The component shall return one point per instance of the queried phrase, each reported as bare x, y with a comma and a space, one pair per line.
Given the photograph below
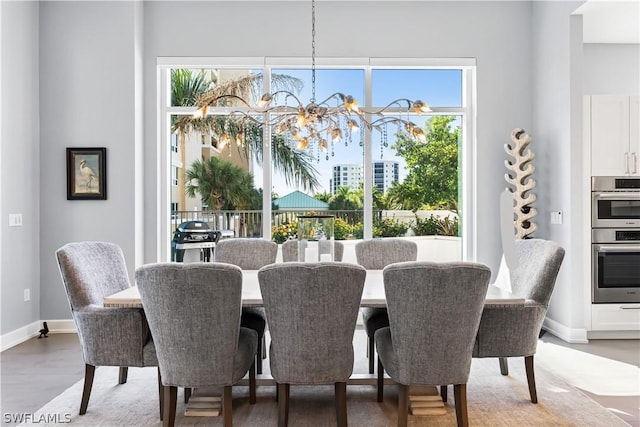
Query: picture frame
86, 173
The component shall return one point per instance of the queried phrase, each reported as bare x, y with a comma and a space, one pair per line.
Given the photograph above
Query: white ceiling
610, 21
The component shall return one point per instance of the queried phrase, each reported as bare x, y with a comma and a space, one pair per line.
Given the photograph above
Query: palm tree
185, 90
189, 89
220, 183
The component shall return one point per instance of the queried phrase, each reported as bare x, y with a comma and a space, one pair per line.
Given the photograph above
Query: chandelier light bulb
314, 123
303, 143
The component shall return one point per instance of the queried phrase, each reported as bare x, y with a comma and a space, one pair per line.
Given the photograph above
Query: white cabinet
615, 135
615, 317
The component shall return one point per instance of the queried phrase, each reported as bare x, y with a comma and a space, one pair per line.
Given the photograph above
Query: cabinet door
609, 135
634, 134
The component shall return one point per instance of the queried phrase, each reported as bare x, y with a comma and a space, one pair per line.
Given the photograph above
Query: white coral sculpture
519, 176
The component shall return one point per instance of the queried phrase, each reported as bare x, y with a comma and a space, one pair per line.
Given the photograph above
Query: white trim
248, 62
570, 335
322, 62
613, 335
25, 333
213, 62
467, 111
453, 63
62, 326
469, 196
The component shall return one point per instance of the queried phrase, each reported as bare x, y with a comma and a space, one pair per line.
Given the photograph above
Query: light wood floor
37, 370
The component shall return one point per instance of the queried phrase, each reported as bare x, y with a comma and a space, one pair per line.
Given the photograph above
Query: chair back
312, 310
538, 264
377, 253
290, 250
434, 313
246, 253
193, 312
90, 271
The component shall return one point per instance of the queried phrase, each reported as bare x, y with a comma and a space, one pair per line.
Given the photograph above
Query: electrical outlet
27, 295
556, 217
15, 220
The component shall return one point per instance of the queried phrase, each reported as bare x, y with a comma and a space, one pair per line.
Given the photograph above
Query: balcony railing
249, 223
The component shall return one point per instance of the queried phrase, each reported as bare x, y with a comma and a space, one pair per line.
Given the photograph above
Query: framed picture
87, 173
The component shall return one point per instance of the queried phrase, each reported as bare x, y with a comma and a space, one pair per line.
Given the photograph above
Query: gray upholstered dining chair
511, 330
249, 254
108, 336
290, 250
312, 309
194, 314
434, 312
376, 254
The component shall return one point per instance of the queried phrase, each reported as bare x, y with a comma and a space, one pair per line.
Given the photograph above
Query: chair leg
403, 405
264, 347
372, 350
259, 355
341, 403
531, 379
460, 396
252, 384
504, 365
170, 402
227, 407
380, 379
283, 405
187, 394
89, 371
122, 377
443, 393
160, 394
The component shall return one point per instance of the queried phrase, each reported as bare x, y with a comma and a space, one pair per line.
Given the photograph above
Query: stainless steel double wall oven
615, 239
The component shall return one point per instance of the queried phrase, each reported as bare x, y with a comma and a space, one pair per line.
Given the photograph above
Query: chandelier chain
313, 51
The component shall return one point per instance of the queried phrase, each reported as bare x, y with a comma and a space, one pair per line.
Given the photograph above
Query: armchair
376, 254
512, 331
422, 344
249, 254
108, 336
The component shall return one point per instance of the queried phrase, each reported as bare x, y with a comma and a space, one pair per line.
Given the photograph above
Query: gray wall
20, 164
87, 99
611, 69
554, 159
496, 33
98, 88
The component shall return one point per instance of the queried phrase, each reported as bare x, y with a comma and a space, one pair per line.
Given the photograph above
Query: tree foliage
220, 184
189, 88
433, 167
345, 199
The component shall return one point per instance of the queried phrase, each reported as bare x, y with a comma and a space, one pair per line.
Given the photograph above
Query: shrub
284, 232
389, 227
427, 226
436, 226
341, 229
358, 230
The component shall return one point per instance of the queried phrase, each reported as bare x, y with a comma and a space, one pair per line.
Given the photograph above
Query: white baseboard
570, 335
27, 332
614, 335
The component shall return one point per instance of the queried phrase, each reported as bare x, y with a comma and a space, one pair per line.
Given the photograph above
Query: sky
440, 88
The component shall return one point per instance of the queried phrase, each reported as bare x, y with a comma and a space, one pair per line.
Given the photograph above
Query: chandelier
317, 123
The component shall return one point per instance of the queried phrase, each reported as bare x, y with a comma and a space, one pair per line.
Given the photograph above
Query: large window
377, 178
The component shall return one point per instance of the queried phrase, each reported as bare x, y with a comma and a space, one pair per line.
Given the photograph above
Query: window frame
467, 111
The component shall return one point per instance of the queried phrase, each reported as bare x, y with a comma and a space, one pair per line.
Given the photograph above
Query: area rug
493, 400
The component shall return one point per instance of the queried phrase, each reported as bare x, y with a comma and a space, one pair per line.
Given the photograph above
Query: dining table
372, 295
422, 401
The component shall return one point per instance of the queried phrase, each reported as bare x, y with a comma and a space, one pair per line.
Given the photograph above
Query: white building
385, 173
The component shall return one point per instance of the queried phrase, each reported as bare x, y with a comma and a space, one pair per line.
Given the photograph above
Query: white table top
372, 295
